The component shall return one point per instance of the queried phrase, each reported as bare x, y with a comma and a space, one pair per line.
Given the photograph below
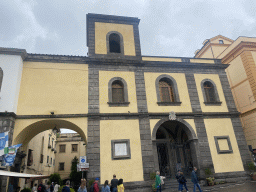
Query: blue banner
3, 143
10, 156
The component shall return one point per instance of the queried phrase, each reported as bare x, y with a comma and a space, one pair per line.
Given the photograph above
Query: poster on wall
10, 155
3, 143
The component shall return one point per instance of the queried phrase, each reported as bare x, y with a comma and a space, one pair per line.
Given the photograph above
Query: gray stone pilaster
93, 132
193, 94
227, 92
136, 39
6, 124
145, 132
241, 141
236, 122
205, 159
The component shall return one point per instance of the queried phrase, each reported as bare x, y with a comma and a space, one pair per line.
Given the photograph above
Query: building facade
240, 55
136, 114
69, 146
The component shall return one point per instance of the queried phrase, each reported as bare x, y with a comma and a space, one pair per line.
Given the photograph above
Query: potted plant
153, 177
210, 180
252, 168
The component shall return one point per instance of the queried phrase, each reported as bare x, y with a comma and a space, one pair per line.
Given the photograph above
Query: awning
22, 175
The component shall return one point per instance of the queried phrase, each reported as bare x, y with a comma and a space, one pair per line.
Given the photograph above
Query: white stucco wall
12, 71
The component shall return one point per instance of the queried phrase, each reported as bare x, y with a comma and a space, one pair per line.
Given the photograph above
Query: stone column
145, 132
204, 156
93, 132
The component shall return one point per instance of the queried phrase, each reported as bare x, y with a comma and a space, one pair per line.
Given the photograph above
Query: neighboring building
69, 146
241, 56
136, 114
40, 156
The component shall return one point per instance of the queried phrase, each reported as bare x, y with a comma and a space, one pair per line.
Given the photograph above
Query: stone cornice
242, 46
8, 114
133, 115
14, 51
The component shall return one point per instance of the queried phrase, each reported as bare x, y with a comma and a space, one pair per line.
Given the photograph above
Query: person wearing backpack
182, 182
52, 187
95, 186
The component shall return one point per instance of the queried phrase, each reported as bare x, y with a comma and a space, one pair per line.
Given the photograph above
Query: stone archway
175, 144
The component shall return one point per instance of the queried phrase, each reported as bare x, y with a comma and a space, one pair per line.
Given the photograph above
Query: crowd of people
114, 186
181, 180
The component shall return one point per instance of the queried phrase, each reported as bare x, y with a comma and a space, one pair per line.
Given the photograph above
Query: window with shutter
209, 92
166, 91
117, 92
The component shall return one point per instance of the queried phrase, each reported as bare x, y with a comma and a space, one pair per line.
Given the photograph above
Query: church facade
137, 114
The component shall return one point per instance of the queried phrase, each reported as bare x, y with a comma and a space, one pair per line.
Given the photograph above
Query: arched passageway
175, 147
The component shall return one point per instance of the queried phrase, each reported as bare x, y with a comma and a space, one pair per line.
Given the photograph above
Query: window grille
62, 148
74, 147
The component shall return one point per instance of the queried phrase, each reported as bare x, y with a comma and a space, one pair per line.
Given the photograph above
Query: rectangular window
62, 148
117, 95
61, 166
41, 158
47, 159
51, 161
74, 147
30, 157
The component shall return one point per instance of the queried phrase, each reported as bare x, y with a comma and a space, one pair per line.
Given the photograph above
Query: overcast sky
167, 27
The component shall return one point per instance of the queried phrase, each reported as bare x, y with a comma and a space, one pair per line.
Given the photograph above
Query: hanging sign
82, 159
10, 155
3, 143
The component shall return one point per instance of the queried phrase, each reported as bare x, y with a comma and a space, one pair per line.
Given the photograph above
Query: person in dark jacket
194, 179
41, 187
182, 182
114, 183
66, 188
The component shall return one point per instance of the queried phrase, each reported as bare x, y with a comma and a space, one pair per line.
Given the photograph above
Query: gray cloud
167, 27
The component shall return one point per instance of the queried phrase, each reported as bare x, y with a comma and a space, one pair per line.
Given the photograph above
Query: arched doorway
174, 147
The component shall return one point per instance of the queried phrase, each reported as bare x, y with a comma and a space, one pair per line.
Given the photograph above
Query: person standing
182, 182
194, 179
41, 187
105, 188
158, 182
34, 189
96, 187
120, 186
66, 188
82, 187
56, 187
114, 183
52, 187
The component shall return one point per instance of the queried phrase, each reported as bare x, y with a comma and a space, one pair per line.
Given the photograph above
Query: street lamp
55, 130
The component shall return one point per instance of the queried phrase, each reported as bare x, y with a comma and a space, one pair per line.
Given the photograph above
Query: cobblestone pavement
249, 186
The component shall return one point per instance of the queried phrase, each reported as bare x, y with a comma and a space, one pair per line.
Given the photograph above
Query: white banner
3, 142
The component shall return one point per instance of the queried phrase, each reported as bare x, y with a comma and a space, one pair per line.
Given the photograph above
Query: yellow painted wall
215, 78
150, 79
230, 162
244, 97
101, 30
161, 59
201, 61
58, 87
236, 71
25, 129
127, 169
206, 54
254, 56
224, 41
218, 49
153, 122
104, 78
249, 127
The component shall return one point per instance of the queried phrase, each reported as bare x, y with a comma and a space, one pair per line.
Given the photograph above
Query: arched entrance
174, 147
